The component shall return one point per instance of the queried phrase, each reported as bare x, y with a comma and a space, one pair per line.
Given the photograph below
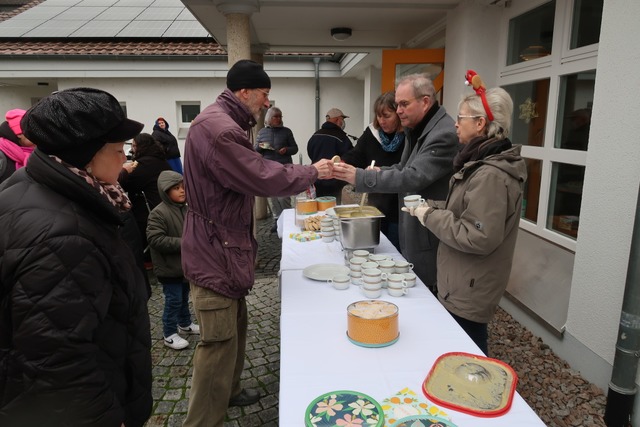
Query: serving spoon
364, 195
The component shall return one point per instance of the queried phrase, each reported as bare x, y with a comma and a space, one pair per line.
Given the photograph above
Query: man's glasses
277, 117
265, 92
406, 102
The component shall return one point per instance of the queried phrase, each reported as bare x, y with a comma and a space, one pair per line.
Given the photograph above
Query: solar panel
186, 29
120, 13
145, 29
49, 3
144, 3
104, 18
100, 29
55, 28
17, 28
39, 12
160, 14
106, 3
81, 13
185, 15
167, 3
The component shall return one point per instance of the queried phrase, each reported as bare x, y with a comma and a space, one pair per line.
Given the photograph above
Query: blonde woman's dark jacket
164, 231
477, 229
74, 328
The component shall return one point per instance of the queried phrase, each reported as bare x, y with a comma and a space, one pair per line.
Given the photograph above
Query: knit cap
247, 74
13, 117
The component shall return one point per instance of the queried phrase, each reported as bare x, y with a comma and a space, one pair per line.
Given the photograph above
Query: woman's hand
345, 172
421, 212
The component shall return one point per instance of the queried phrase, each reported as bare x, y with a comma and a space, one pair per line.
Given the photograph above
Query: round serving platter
324, 272
344, 407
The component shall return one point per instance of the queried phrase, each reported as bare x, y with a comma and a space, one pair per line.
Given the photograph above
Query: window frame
183, 127
563, 61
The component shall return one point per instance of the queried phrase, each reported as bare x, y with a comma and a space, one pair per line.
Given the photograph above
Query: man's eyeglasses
277, 117
265, 92
465, 116
405, 103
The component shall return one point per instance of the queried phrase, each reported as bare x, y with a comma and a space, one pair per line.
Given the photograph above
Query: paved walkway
172, 369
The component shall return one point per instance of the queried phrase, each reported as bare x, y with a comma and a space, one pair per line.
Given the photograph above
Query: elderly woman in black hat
74, 328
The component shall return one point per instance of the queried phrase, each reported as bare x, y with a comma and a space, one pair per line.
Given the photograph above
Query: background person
382, 141
276, 142
425, 168
328, 141
223, 174
168, 142
478, 224
15, 148
164, 234
141, 182
74, 327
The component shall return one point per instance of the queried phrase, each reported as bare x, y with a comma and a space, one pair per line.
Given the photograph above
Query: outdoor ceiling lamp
341, 33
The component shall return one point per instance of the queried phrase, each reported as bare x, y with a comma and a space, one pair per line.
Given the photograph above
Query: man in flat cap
328, 141
223, 174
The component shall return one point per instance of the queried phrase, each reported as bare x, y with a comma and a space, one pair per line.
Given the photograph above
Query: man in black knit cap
223, 174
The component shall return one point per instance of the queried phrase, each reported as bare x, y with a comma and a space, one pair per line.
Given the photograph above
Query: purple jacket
223, 174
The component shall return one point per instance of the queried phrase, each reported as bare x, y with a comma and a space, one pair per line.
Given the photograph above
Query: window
531, 193
553, 101
531, 34
574, 111
187, 112
530, 111
565, 198
587, 18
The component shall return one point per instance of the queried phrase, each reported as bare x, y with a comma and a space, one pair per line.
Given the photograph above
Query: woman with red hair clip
478, 223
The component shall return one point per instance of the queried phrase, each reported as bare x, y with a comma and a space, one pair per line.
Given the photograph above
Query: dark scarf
479, 148
415, 133
388, 143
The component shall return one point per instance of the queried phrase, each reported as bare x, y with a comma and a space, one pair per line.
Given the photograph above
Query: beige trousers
219, 357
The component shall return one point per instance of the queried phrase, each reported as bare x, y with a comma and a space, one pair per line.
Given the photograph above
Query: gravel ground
558, 394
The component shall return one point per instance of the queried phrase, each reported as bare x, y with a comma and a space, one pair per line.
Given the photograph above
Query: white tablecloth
316, 356
299, 255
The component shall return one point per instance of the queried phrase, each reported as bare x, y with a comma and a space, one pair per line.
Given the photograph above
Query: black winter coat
369, 148
144, 178
74, 328
168, 142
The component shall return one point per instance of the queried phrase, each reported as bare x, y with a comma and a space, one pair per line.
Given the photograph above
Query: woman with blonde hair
477, 224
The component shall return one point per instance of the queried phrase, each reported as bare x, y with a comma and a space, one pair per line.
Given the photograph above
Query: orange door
401, 62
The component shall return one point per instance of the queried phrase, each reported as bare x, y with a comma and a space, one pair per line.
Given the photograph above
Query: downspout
622, 387
316, 63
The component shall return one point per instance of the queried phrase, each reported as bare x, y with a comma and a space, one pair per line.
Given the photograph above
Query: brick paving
172, 369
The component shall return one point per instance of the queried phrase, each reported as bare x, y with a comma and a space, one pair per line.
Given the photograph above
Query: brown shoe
246, 397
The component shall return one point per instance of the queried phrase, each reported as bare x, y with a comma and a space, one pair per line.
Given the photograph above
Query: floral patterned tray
406, 403
344, 408
423, 421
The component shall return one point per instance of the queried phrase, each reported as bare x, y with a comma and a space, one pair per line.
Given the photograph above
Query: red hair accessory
474, 80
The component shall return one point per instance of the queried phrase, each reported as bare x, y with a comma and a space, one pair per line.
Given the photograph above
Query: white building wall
610, 187
148, 98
